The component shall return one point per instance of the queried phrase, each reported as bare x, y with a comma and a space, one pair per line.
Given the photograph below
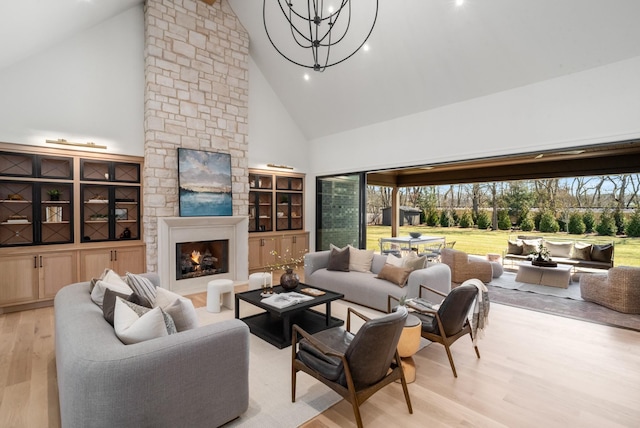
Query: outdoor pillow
360, 260
582, 251
514, 247
602, 253
395, 274
339, 259
559, 249
530, 246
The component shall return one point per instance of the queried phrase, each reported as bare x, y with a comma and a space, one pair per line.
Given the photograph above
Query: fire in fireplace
203, 258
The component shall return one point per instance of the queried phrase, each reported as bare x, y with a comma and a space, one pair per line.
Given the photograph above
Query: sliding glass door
341, 211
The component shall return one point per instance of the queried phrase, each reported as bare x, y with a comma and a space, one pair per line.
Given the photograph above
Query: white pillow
131, 328
394, 261
142, 286
179, 308
112, 282
360, 260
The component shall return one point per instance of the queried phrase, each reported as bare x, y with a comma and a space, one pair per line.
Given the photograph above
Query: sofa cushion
514, 247
339, 259
178, 307
134, 323
109, 303
112, 281
394, 260
142, 286
530, 246
602, 253
582, 251
411, 261
395, 274
360, 260
559, 249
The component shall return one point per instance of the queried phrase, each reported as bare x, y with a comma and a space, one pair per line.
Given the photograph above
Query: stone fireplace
221, 237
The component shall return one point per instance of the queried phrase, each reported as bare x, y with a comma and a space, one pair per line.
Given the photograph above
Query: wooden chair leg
406, 394
356, 410
293, 384
477, 351
453, 366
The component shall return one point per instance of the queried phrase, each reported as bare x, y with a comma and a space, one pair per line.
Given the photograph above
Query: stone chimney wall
196, 97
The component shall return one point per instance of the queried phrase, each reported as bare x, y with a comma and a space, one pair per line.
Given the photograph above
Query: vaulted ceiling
424, 53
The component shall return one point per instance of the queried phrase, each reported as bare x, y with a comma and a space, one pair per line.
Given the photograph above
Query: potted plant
54, 194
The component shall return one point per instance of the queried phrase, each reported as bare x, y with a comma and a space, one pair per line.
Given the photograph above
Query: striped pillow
142, 286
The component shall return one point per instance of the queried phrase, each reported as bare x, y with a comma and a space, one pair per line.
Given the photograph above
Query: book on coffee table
284, 300
421, 304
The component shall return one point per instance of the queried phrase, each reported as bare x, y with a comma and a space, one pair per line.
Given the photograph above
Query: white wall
88, 88
594, 106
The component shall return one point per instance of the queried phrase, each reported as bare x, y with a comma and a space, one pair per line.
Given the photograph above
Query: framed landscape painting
204, 183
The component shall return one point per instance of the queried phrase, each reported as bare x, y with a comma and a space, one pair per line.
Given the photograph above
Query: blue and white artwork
205, 183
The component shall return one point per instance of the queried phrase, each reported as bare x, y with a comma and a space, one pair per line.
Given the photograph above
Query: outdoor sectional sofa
365, 289
195, 378
569, 252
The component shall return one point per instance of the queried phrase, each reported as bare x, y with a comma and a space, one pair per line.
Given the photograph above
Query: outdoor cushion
559, 249
582, 251
514, 247
602, 253
530, 246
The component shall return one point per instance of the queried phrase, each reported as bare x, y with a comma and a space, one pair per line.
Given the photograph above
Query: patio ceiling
615, 158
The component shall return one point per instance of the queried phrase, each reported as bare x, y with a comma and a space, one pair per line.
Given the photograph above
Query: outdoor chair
355, 366
450, 321
619, 289
464, 268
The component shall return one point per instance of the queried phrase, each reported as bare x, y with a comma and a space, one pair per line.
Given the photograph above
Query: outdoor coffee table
274, 325
559, 276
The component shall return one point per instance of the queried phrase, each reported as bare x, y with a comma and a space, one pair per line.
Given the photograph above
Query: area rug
270, 377
566, 307
508, 280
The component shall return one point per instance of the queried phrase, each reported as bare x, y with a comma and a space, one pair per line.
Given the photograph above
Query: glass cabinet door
289, 211
110, 212
56, 213
16, 213
260, 212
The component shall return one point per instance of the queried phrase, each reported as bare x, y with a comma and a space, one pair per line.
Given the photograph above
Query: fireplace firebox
202, 258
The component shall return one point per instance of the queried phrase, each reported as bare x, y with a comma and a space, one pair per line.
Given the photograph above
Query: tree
466, 219
504, 222
633, 227
445, 219
483, 220
548, 223
576, 224
618, 218
518, 200
589, 220
607, 225
527, 223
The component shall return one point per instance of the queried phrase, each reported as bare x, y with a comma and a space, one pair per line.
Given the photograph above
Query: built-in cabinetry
276, 217
59, 209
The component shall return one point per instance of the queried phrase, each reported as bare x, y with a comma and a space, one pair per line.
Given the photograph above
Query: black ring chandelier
318, 29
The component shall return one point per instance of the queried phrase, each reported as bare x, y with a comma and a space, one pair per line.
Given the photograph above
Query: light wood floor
536, 370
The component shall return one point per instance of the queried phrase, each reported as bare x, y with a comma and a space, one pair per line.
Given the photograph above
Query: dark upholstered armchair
450, 321
355, 366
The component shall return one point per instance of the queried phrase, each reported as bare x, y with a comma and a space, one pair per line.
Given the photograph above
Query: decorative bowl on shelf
415, 234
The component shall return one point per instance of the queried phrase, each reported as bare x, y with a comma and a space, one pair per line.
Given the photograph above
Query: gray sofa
365, 289
195, 378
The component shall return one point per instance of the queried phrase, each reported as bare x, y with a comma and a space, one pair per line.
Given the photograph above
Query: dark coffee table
274, 325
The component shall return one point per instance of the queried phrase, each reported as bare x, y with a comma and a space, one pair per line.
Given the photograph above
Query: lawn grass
474, 241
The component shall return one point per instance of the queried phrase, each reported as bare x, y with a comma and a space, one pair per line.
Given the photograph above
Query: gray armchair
355, 366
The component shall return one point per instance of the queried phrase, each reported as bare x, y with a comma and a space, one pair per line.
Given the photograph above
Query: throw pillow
360, 260
107, 275
582, 251
559, 249
395, 274
110, 282
394, 260
142, 286
530, 246
602, 253
339, 260
180, 308
514, 247
415, 262
109, 303
133, 325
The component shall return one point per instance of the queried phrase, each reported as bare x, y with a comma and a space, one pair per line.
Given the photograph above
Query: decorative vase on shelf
289, 280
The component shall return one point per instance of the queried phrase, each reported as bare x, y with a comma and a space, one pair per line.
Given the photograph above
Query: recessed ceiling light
459, 3
306, 76
365, 47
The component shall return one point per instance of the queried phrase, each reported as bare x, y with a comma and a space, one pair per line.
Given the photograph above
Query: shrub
618, 217
527, 223
504, 222
483, 221
607, 225
576, 224
548, 223
432, 218
466, 220
445, 219
455, 218
589, 220
536, 220
633, 226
